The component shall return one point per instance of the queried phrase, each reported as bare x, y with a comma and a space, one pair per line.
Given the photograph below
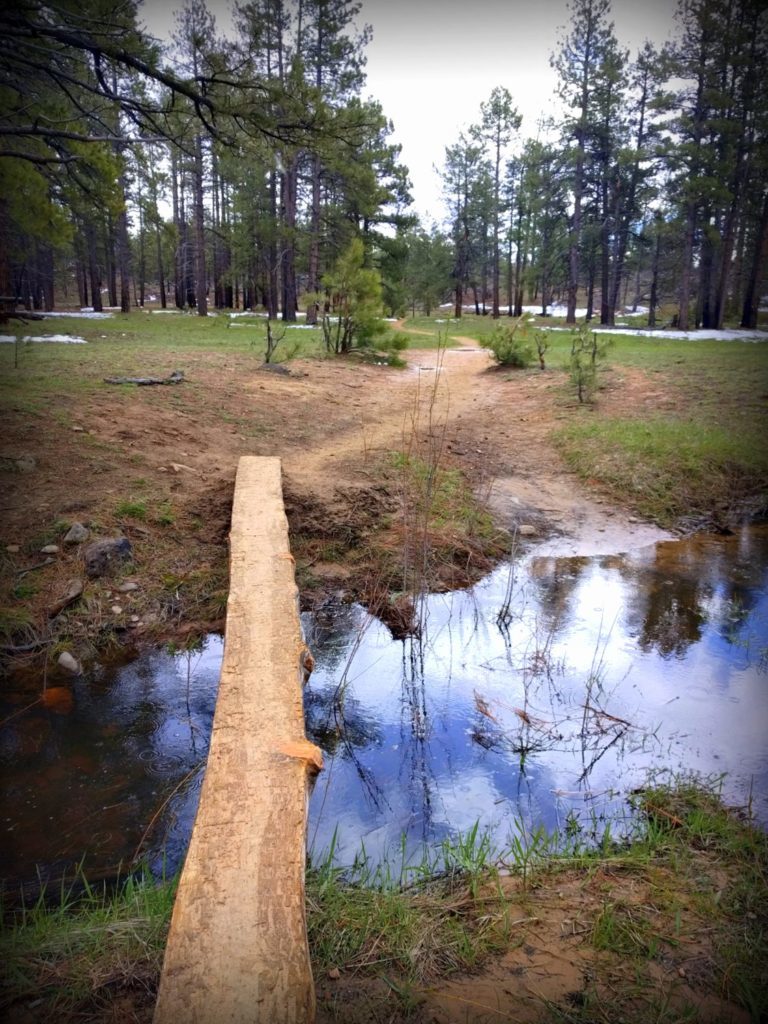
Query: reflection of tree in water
337, 726
555, 581
420, 781
689, 584
330, 631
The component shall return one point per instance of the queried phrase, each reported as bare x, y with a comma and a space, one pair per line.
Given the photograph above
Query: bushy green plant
509, 345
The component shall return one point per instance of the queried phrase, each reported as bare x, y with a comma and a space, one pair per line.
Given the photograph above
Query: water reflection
543, 695
547, 695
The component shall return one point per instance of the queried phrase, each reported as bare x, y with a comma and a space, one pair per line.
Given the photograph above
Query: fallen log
177, 377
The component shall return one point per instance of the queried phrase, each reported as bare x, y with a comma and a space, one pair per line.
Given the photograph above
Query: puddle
599, 670
85, 774
545, 694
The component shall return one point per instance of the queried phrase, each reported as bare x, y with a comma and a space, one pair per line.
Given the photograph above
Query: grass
670, 469
78, 955
689, 886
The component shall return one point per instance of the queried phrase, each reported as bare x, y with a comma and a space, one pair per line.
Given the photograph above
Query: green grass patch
670, 469
85, 951
131, 508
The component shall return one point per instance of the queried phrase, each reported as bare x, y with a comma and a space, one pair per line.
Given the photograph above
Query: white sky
432, 62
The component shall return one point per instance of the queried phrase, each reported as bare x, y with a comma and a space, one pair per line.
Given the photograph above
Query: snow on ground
82, 315
61, 339
165, 311
711, 335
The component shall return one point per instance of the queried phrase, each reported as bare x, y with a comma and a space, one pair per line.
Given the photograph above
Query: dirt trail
495, 424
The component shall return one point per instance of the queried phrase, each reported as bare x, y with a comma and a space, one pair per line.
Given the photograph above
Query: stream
542, 696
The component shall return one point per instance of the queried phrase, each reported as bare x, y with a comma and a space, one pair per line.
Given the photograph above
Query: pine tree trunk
288, 215
201, 287
756, 272
178, 272
94, 272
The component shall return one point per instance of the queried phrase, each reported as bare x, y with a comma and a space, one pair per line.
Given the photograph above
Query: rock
12, 549
135, 618
73, 591
76, 534
70, 663
179, 467
633, 519
104, 555
127, 588
526, 530
26, 464
116, 609
50, 549
79, 430
334, 974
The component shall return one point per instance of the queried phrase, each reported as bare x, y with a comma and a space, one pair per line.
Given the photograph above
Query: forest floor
157, 465
357, 442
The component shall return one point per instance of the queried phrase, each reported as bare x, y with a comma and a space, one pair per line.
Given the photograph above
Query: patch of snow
702, 335
81, 315
390, 319
61, 339
300, 327
165, 311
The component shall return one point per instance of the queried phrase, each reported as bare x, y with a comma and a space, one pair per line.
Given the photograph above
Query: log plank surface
237, 949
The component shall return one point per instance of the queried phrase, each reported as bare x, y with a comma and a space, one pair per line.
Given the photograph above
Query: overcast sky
432, 62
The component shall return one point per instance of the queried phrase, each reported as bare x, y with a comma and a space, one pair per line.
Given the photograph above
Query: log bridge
237, 949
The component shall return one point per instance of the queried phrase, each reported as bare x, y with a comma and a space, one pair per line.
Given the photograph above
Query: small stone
50, 549
334, 974
526, 530
104, 555
633, 519
76, 534
127, 588
179, 467
116, 609
12, 549
70, 663
135, 618
79, 430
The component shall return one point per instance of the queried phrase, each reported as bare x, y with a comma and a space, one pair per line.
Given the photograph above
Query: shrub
509, 345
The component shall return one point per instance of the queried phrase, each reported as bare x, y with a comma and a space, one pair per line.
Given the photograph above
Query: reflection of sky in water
480, 721
608, 667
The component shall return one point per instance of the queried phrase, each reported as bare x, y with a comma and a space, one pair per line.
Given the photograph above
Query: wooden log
237, 949
177, 377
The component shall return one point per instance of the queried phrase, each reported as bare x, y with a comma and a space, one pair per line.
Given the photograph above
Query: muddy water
544, 694
86, 770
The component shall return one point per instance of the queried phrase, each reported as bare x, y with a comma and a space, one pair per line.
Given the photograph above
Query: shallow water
85, 773
601, 669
